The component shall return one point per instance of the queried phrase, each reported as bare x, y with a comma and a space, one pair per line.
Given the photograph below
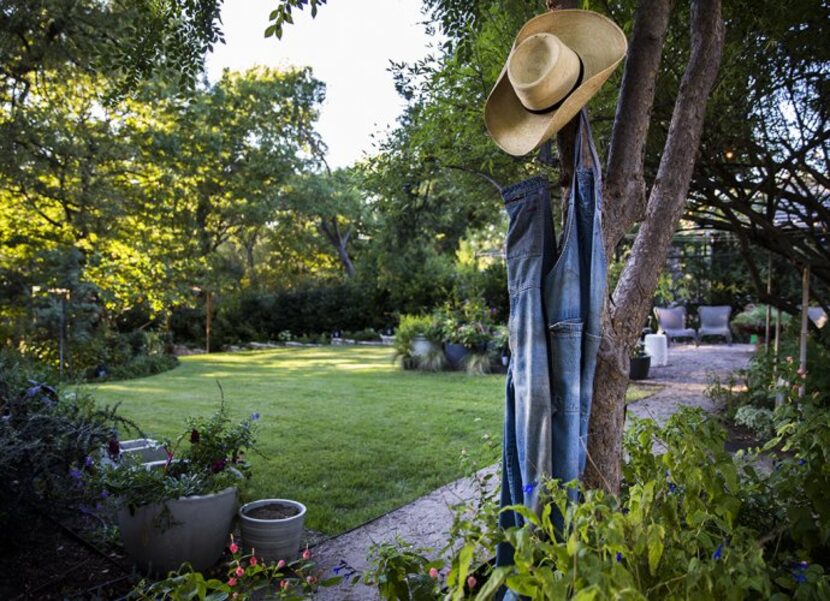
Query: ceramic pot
162, 536
455, 353
639, 367
272, 539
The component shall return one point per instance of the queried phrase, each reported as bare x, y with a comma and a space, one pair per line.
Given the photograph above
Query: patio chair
714, 321
817, 316
672, 323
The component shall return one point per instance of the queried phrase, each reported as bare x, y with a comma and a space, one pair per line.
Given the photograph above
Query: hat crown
542, 71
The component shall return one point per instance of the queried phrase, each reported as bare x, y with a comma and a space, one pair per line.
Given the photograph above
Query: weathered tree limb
630, 303
624, 188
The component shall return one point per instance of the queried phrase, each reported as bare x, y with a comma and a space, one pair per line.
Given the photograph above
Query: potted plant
181, 509
640, 363
415, 340
454, 349
274, 527
500, 346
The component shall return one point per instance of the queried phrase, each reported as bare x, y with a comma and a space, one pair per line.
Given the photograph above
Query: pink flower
284, 584
433, 573
231, 581
311, 579
306, 554
240, 571
280, 564
471, 582
253, 560
234, 547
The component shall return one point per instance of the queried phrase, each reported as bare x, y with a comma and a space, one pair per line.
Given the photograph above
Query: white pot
196, 530
272, 539
421, 346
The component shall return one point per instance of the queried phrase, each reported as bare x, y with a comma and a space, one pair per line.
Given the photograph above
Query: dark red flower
194, 436
218, 465
113, 448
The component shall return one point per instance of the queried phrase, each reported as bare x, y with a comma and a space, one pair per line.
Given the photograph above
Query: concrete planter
421, 346
162, 536
273, 539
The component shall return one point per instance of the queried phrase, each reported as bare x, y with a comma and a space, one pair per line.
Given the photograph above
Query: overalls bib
555, 327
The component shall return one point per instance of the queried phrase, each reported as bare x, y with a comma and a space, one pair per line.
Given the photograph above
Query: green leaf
270, 30
656, 534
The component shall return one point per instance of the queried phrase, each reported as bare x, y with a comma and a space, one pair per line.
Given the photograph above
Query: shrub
49, 439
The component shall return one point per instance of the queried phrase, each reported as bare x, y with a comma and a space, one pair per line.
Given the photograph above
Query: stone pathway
425, 522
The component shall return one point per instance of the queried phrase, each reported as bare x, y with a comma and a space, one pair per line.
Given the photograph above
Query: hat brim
599, 43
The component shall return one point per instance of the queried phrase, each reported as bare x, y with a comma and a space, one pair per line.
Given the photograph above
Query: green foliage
409, 327
757, 419
249, 579
754, 318
49, 441
281, 15
400, 571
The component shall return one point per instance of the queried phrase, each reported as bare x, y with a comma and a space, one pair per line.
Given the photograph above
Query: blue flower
337, 570
798, 572
75, 474
88, 461
619, 557
672, 487
105, 494
718, 552
802, 462
529, 488
255, 416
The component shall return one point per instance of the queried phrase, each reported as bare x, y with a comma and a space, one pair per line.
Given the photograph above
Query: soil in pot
272, 511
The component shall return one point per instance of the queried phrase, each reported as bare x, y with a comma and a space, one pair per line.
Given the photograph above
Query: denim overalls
555, 326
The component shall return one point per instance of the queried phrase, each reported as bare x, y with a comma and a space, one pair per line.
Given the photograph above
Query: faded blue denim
555, 327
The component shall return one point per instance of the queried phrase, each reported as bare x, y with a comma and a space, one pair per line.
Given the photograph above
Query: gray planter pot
273, 539
421, 346
196, 530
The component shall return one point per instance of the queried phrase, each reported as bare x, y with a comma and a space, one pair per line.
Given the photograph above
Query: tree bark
630, 303
339, 240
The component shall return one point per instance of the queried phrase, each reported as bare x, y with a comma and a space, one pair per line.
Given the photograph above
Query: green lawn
344, 430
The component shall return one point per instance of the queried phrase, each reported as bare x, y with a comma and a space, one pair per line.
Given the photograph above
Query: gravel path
426, 521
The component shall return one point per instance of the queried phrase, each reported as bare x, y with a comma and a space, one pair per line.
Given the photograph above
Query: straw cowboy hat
558, 62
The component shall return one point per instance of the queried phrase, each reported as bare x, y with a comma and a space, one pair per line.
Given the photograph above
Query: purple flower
105, 494
718, 552
255, 416
75, 474
88, 461
619, 557
529, 488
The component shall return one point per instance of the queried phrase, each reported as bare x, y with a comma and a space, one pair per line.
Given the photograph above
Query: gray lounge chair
817, 316
714, 321
672, 323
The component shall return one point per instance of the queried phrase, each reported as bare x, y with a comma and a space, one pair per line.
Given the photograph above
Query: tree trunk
630, 303
338, 240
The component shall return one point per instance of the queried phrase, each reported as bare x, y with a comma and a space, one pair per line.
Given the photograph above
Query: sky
348, 45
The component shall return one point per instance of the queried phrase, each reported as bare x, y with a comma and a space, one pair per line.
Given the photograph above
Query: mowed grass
343, 429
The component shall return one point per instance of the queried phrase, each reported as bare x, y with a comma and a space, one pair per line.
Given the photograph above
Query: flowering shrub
692, 522
207, 457
48, 438
248, 577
